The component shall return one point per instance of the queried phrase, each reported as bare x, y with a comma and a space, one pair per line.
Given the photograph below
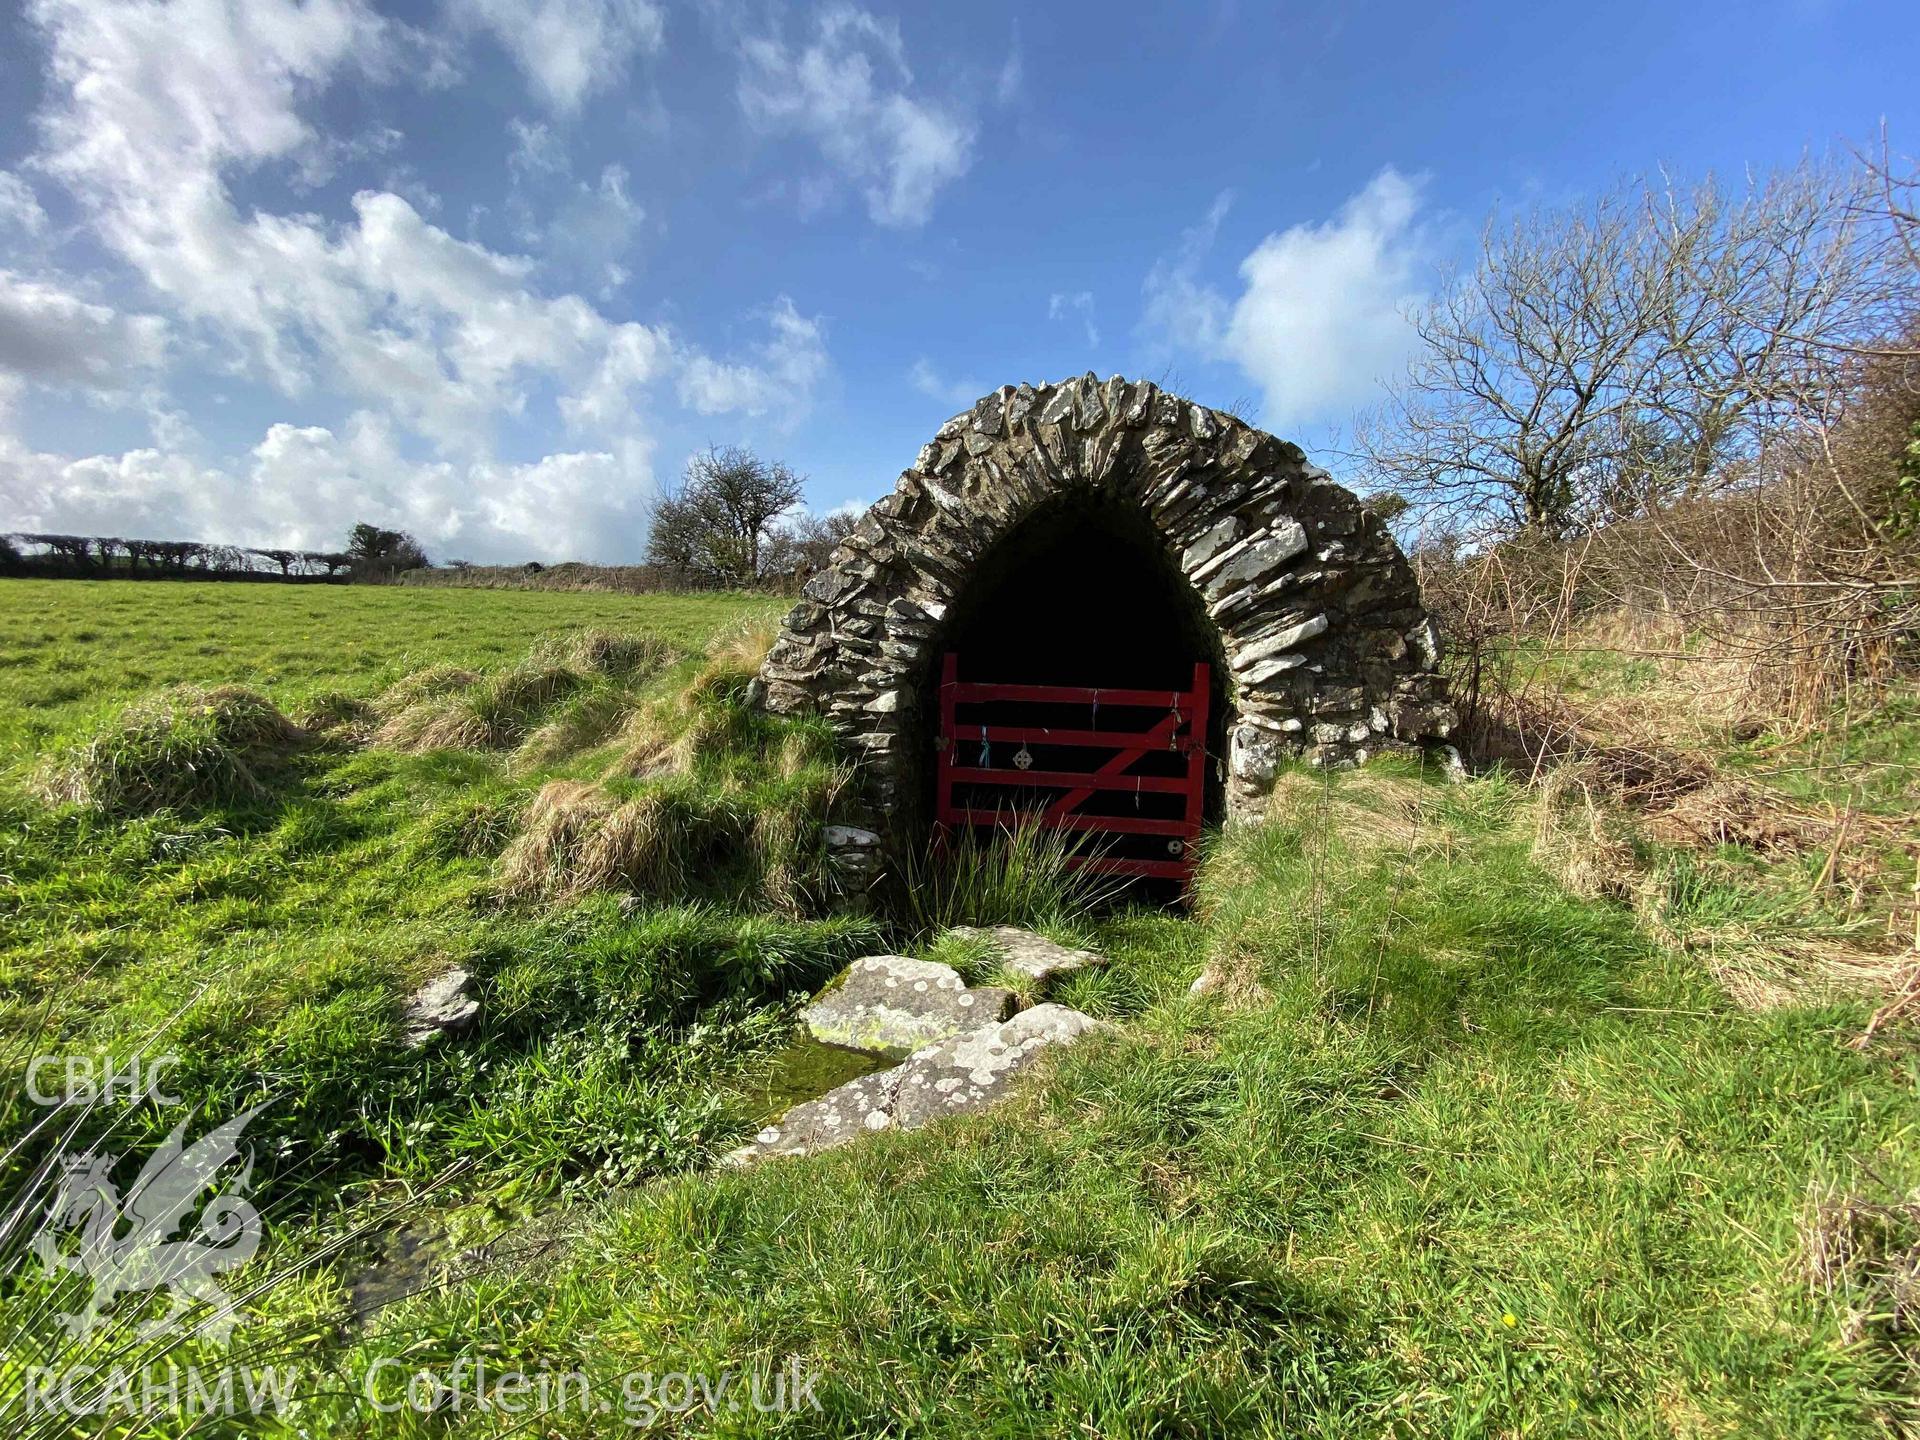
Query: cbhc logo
90, 1081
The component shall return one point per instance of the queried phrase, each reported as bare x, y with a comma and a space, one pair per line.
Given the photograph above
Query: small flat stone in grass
890, 1005
1033, 956
439, 1006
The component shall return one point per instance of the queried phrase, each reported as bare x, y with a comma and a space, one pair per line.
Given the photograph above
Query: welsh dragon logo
127, 1246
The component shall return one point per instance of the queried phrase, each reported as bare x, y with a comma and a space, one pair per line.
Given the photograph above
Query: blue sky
491, 269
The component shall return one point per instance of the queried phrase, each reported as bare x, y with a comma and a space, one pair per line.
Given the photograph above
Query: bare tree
717, 526
805, 546
1524, 373
1648, 348
1757, 291
1714, 392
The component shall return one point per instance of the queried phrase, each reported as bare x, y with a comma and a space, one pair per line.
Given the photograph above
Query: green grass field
1462, 1146
70, 646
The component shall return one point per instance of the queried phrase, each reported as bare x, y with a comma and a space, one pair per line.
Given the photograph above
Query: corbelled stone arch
1330, 653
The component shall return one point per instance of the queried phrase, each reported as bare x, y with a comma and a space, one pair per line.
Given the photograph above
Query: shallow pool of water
805, 1070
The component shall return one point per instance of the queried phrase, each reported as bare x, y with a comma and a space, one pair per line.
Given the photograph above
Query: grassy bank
1465, 1156
1472, 1137
196, 872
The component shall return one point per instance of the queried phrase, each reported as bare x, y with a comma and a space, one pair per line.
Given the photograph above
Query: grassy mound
187, 748
699, 793
481, 713
568, 692
1022, 875
670, 784
608, 653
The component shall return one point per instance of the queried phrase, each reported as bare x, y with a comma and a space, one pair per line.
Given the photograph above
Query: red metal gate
1156, 760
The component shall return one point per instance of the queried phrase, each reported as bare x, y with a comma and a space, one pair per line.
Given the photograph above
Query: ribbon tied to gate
986, 750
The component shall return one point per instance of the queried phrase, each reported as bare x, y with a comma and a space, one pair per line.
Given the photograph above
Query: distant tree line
733, 521
565, 575
371, 554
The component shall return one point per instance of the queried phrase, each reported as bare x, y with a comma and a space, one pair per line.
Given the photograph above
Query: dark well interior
1083, 592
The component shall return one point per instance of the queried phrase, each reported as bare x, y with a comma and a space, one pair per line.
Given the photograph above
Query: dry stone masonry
1331, 655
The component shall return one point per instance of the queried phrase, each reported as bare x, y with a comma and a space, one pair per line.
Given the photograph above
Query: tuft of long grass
337, 714
697, 792
676, 836
496, 713
742, 645
429, 683
569, 693
1767, 945
1860, 1253
1020, 874
188, 748
1578, 840
584, 720
448, 723
552, 831
607, 653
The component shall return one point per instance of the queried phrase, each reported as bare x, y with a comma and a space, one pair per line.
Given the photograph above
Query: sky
491, 270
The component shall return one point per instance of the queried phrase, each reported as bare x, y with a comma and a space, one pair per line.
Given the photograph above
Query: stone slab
891, 1005
971, 1071
1033, 956
965, 1073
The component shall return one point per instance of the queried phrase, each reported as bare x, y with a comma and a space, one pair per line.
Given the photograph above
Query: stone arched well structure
1065, 533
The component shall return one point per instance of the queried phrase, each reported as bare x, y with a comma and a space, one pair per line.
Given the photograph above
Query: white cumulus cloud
1320, 316
569, 49
153, 108
19, 206
781, 376
304, 486
387, 307
55, 338
848, 90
